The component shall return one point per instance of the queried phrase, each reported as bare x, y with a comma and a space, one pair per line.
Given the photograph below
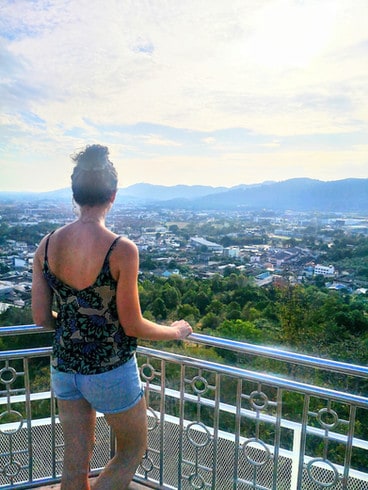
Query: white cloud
157, 140
209, 141
92, 63
88, 69
272, 144
232, 169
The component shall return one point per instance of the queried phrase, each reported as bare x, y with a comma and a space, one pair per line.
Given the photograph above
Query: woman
92, 274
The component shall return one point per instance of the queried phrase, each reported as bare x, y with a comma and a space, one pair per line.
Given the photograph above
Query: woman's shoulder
124, 260
125, 246
56, 239
43, 243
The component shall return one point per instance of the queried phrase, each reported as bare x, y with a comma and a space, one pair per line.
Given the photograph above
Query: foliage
308, 319
30, 234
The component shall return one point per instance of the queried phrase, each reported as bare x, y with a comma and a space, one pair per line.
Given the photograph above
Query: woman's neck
92, 215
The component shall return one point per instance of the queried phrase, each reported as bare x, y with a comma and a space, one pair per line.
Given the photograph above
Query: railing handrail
281, 355
222, 368
256, 376
323, 410
22, 330
239, 347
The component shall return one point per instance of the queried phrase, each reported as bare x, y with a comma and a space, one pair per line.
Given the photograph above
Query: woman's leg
130, 428
78, 420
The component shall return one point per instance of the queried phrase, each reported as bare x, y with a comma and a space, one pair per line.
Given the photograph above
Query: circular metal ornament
148, 372
8, 375
327, 412
147, 464
12, 469
252, 444
18, 419
203, 437
329, 466
258, 400
199, 385
196, 481
155, 421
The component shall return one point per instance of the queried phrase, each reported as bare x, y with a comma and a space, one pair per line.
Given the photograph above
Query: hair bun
93, 158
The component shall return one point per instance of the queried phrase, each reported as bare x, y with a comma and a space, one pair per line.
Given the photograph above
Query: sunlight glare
291, 35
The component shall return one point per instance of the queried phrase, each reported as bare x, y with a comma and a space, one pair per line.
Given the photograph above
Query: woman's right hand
183, 329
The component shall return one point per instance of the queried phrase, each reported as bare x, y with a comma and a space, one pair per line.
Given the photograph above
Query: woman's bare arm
41, 294
129, 309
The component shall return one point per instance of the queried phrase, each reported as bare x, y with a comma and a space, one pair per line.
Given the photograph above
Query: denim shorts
114, 391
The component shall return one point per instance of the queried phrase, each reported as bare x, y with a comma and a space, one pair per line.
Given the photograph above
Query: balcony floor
132, 486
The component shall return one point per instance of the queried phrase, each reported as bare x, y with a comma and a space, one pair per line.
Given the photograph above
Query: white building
233, 252
202, 242
323, 270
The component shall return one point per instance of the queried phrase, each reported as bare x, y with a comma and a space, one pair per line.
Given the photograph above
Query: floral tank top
89, 338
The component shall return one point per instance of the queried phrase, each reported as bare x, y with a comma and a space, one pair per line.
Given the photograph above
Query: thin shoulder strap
112, 246
47, 245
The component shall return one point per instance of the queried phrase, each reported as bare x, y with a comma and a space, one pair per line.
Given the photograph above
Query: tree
16, 316
159, 309
147, 264
189, 313
210, 321
4, 268
239, 330
292, 312
189, 296
216, 283
233, 311
171, 297
320, 281
201, 301
215, 307
178, 282
354, 321
250, 313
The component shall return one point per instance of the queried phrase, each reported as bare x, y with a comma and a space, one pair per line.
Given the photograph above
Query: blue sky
210, 92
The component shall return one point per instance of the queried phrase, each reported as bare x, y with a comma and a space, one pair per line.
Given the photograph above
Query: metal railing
225, 425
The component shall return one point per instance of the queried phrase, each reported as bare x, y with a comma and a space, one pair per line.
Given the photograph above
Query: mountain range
301, 194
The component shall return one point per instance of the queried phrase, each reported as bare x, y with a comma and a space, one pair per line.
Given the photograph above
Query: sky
196, 92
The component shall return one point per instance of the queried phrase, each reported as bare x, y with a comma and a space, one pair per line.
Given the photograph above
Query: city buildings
267, 247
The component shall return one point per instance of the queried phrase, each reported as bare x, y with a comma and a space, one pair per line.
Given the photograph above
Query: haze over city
197, 92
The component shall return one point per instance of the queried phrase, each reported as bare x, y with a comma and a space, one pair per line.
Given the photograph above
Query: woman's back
89, 337
77, 251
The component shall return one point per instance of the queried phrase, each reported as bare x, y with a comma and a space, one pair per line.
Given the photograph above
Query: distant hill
348, 195
21, 196
295, 194
146, 193
153, 192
